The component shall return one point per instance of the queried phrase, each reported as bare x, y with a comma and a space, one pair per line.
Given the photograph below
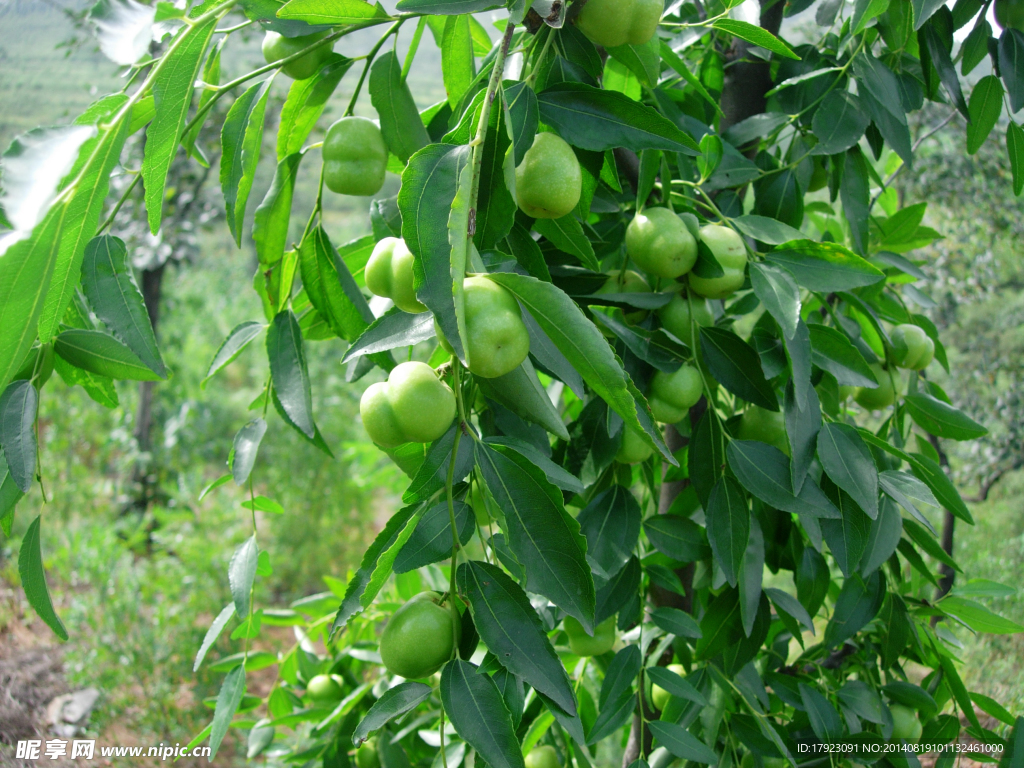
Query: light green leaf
99, 353
241, 140
33, 580
756, 35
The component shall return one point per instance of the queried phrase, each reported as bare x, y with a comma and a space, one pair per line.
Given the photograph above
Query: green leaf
614, 714
580, 342
847, 461
802, 425
33, 580
513, 632
644, 61
656, 347
677, 537
881, 83
929, 34
288, 371
706, 456
883, 538
942, 419
858, 603
400, 122
542, 535
1015, 150
617, 593
306, 101
230, 696
764, 471
99, 353
978, 617
377, 563
394, 328
457, 63
331, 288
620, 675
957, 688
848, 537
1011, 67
595, 119
478, 713
756, 35
123, 30
832, 351
271, 220
681, 743
611, 525
333, 12
210, 77
521, 392
825, 267
838, 123
431, 539
523, 114
854, 193
985, 106
82, 216
676, 685
241, 138
824, 719
766, 230
737, 367
672, 59
242, 573
779, 294
213, 633
18, 406
244, 449
10, 495
676, 622
239, 338
567, 235
786, 603
992, 707
496, 208
728, 525
172, 92
109, 284
99, 388
393, 703
429, 184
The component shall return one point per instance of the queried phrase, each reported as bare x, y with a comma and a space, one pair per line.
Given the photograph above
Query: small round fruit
542, 757
659, 242
911, 347
413, 405
767, 426
620, 22
676, 316
323, 689
548, 180
277, 47
355, 157
659, 696
497, 339
905, 725
366, 755
627, 282
389, 273
819, 176
418, 639
633, 449
1010, 14
582, 644
880, 397
728, 249
672, 395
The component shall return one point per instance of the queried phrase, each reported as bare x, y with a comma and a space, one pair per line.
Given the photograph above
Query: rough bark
948, 529
748, 79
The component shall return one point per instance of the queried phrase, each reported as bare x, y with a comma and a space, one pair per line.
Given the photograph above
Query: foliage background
137, 585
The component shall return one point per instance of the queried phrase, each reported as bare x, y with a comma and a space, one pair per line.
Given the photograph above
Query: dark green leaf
242, 573
241, 139
447, 8
393, 703
521, 392
679, 538
1015, 149
758, 36
766, 230
523, 112
764, 471
239, 338
939, 55
883, 537
676, 622
33, 579
802, 425
109, 285
431, 540
620, 675
985, 106
288, 371
838, 123
676, 685
848, 462
172, 92
1011, 66
541, 534
681, 742
400, 123
611, 525
654, 347
513, 632
18, 406
787, 603
858, 603
245, 448
728, 526
101, 354
613, 716
779, 293
331, 288
475, 707
393, 329
230, 696
706, 457
567, 235
618, 592
595, 119
271, 220
824, 719
825, 267
847, 537
736, 366
832, 351
942, 419
213, 633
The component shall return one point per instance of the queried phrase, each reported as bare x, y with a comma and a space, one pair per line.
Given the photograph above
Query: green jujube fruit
498, 341
612, 23
677, 315
629, 281
412, 406
542, 757
548, 180
389, 273
911, 347
355, 157
882, 396
769, 427
672, 395
582, 644
660, 244
419, 637
633, 449
277, 47
729, 251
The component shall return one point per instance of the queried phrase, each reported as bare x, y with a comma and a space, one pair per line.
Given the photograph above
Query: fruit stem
451, 520
369, 60
481, 129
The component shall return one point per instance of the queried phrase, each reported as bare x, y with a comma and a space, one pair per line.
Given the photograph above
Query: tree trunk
948, 529
152, 283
